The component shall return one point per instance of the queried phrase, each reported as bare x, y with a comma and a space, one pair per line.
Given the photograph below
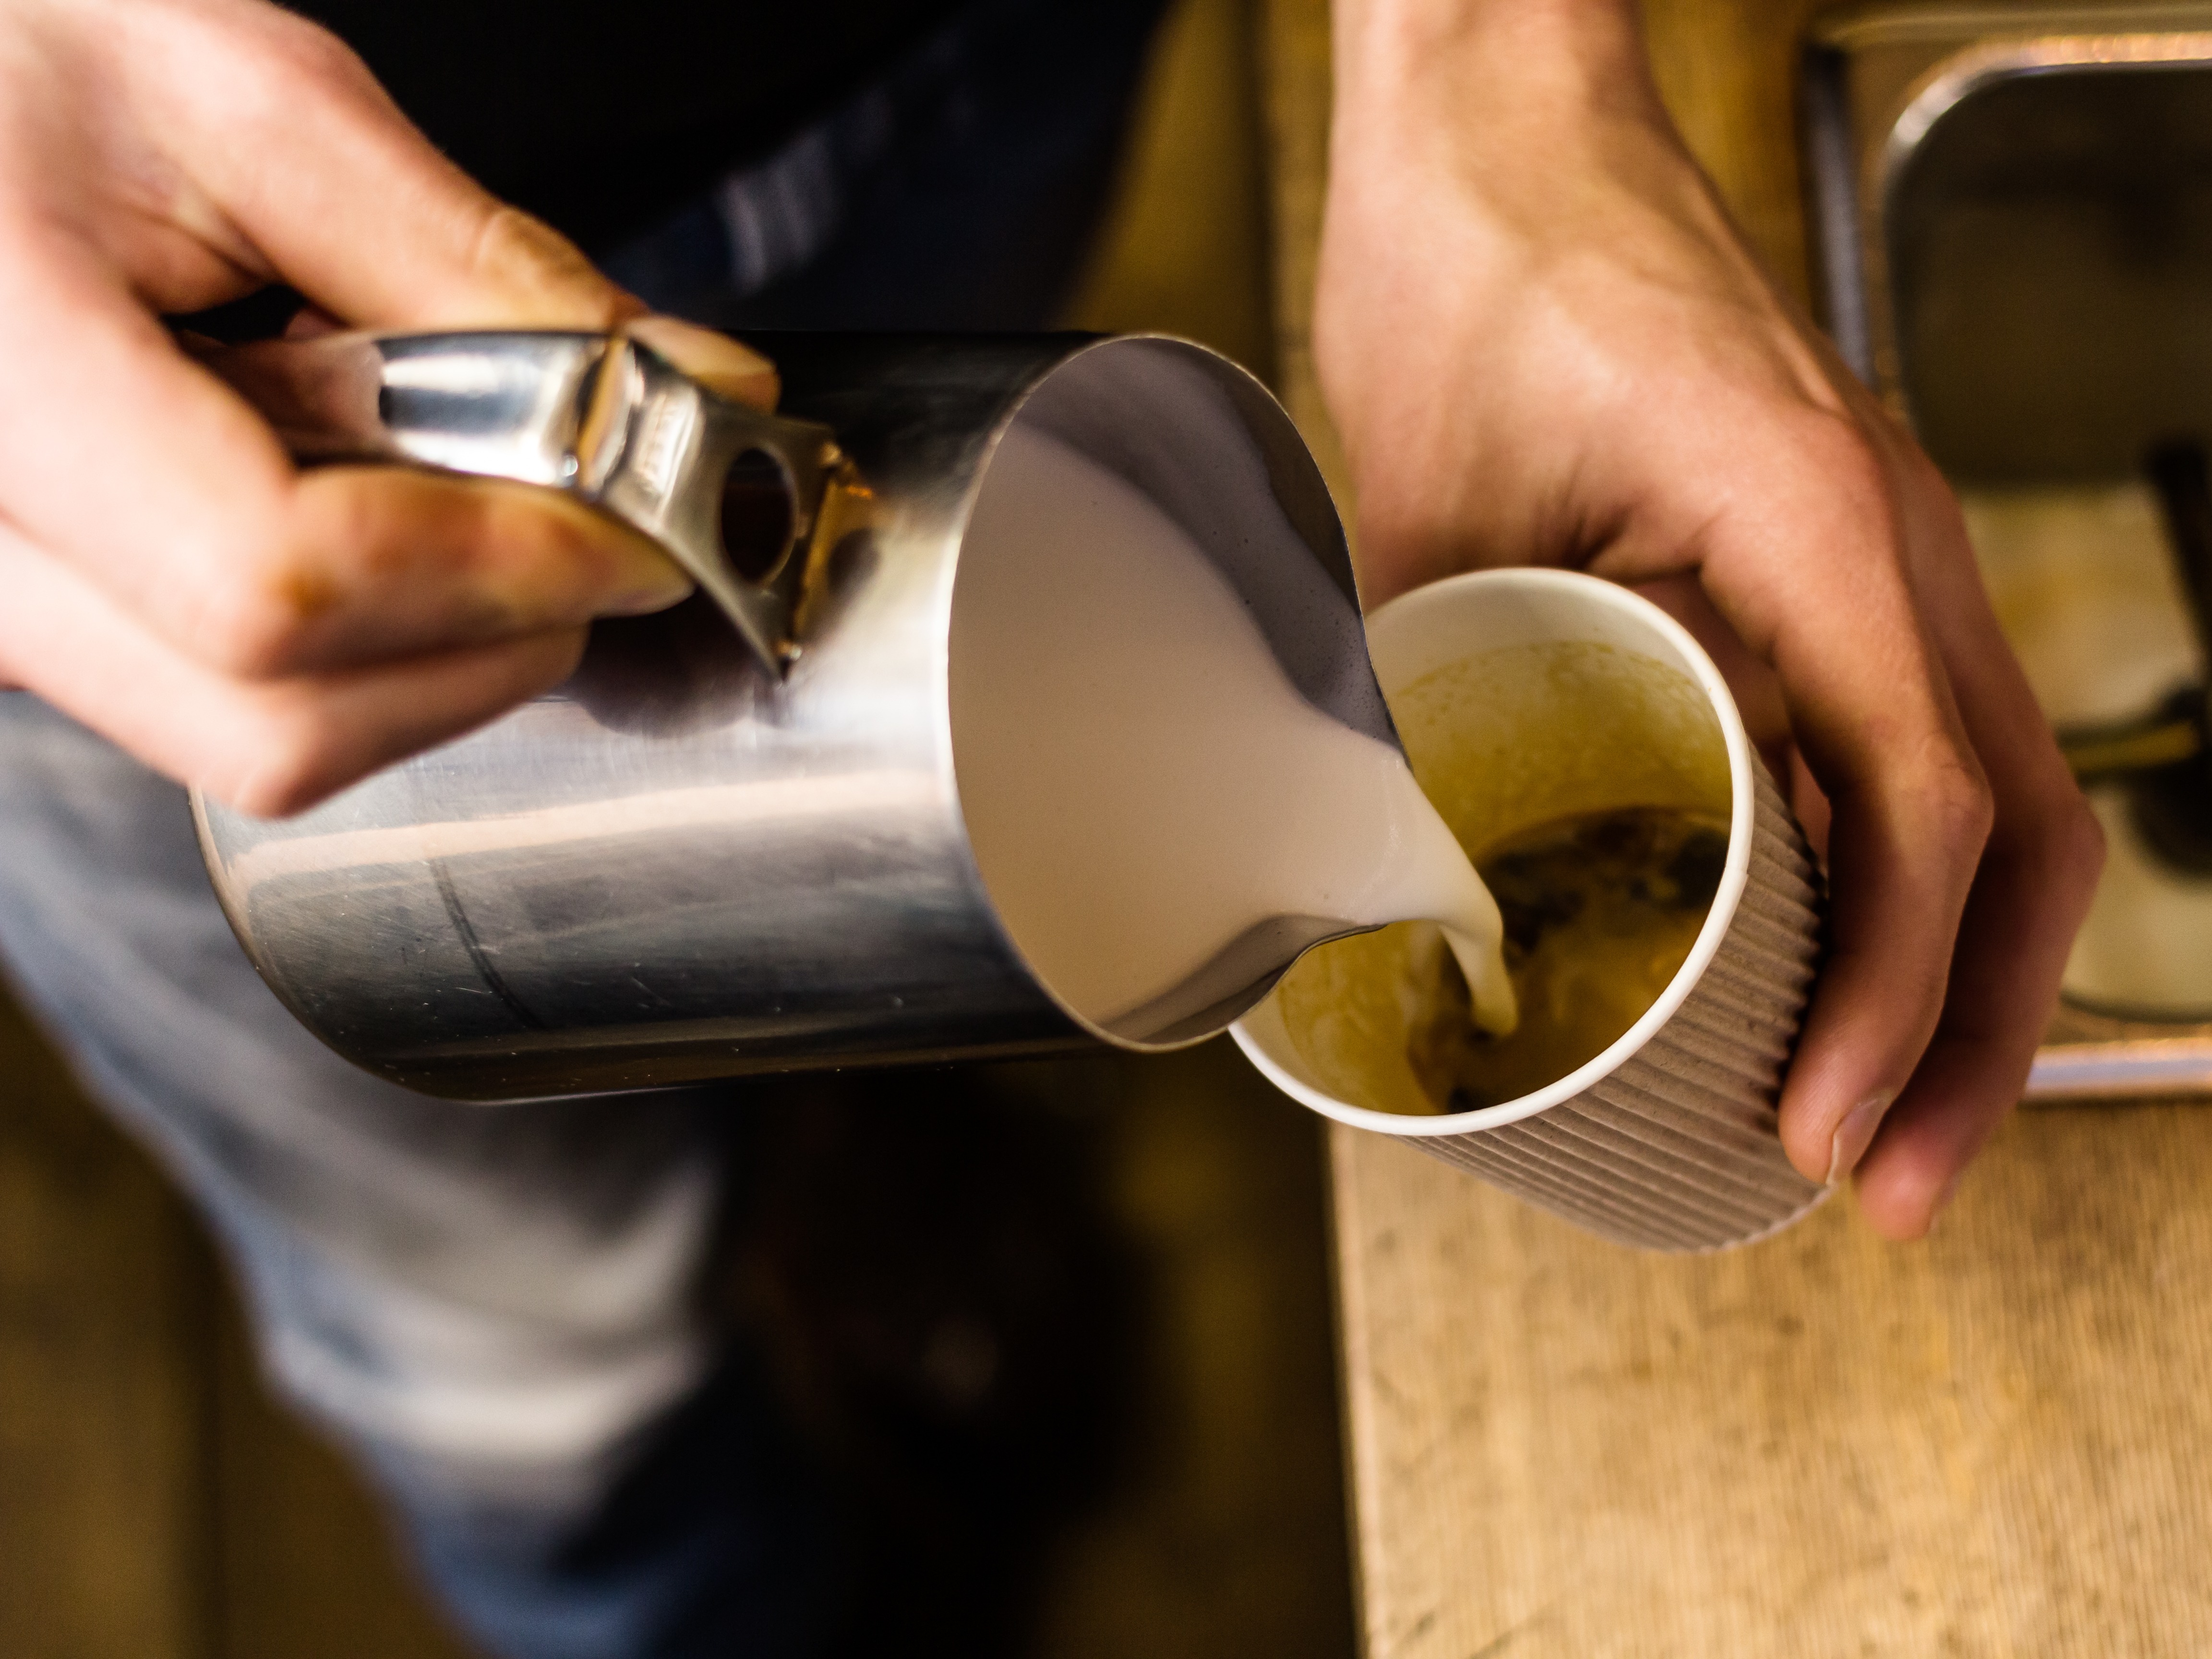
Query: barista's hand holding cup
1660, 911
1581, 363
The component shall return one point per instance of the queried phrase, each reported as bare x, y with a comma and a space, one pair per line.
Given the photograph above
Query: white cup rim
1471, 588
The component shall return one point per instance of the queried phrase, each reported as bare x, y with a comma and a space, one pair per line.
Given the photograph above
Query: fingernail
649, 596
1855, 1133
714, 360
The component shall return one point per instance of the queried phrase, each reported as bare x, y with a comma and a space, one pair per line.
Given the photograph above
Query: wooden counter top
1994, 1442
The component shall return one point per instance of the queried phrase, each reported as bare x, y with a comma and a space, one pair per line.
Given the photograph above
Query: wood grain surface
1991, 1444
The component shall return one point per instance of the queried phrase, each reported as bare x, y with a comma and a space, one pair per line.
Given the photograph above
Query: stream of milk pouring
1141, 781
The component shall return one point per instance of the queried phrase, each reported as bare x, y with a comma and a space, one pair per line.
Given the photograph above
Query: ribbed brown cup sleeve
1678, 1148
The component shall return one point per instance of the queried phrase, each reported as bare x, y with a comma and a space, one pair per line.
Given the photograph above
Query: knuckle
1833, 472
267, 69
1844, 460
305, 51
1934, 489
1962, 809
2073, 845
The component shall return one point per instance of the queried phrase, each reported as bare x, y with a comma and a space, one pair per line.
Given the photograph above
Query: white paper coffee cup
1534, 695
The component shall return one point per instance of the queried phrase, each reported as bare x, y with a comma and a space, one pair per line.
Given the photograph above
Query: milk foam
1141, 781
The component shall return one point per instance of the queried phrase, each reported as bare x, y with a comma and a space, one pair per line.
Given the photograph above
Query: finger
1975, 1069
384, 561
266, 748
2034, 886
1872, 711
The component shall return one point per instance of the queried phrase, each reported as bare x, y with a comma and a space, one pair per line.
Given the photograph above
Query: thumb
364, 216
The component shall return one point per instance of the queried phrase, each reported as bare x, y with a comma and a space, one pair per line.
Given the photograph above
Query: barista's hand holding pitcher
1545, 344
170, 578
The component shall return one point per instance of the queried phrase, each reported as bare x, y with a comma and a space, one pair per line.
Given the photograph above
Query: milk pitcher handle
732, 495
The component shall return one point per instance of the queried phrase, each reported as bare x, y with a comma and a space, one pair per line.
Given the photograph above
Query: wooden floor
154, 1504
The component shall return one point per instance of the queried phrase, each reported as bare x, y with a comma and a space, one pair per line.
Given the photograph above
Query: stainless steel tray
1878, 81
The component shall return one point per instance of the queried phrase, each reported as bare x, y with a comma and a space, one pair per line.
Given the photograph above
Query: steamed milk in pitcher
1142, 783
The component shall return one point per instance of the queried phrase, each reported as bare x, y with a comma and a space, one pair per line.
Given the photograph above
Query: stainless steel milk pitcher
733, 842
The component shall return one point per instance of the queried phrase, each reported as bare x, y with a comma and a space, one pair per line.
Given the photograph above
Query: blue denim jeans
496, 1309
